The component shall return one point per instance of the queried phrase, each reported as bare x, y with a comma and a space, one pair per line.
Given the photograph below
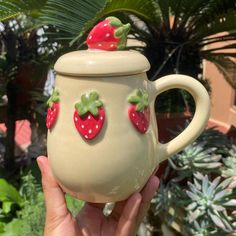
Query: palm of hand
123, 221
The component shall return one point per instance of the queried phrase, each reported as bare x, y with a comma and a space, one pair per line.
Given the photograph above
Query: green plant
229, 168
10, 202
197, 190
23, 212
211, 202
174, 33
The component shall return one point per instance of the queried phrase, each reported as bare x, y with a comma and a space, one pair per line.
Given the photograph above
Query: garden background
197, 195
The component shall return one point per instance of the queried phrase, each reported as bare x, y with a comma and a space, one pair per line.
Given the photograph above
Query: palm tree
177, 33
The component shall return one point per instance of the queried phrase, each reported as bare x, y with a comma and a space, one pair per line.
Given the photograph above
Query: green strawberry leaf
94, 110
139, 107
89, 103
140, 98
98, 103
134, 99
139, 93
84, 100
113, 21
54, 98
82, 111
93, 96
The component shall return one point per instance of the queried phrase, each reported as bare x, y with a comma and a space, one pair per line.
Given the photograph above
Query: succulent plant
211, 200
190, 187
229, 168
204, 228
211, 137
196, 157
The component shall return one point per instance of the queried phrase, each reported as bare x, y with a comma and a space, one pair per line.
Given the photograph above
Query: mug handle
200, 118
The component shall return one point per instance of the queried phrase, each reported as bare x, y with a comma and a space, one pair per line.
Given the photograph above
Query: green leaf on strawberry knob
114, 21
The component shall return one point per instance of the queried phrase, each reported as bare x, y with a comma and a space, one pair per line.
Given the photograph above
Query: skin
123, 221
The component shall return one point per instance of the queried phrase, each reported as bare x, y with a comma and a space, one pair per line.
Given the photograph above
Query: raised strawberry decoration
139, 111
109, 34
89, 115
53, 108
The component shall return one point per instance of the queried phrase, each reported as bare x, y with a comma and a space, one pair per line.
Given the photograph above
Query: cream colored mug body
120, 159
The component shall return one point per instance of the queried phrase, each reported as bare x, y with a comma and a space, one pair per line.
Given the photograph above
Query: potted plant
197, 192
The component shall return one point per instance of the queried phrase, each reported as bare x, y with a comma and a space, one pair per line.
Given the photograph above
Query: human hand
123, 221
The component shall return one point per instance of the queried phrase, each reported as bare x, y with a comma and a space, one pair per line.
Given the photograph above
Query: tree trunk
9, 161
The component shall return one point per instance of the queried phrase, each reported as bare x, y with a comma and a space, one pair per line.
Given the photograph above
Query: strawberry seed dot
90, 36
89, 117
112, 45
82, 126
101, 118
96, 126
107, 35
90, 131
105, 24
76, 118
86, 136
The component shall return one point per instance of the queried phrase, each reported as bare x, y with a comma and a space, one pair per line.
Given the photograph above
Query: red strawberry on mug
89, 115
109, 34
139, 110
53, 109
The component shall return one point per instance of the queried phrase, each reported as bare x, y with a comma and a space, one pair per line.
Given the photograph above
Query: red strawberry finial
89, 115
139, 111
53, 108
110, 34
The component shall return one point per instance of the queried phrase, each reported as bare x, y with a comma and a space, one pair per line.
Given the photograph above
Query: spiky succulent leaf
211, 200
229, 168
196, 158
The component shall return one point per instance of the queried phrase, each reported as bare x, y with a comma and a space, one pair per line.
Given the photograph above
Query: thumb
54, 196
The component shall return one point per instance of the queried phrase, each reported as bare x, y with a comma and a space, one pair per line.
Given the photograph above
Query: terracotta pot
171, 122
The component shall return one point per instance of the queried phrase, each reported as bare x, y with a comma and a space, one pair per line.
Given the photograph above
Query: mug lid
98, 63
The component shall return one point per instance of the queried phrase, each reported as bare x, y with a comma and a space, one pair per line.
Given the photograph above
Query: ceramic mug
108, 160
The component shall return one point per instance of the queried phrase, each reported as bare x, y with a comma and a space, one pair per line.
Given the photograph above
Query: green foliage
229, 168
28, 217
14, 8
10, 201
198, 183
211, 201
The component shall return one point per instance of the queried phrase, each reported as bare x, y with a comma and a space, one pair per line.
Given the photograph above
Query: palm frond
13, 8
218, 24
71, 16
77, 16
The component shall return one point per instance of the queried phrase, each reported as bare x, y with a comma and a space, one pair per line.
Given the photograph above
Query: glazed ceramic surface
119, 160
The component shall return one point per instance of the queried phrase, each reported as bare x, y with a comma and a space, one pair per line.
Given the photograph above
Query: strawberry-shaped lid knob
110, 34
